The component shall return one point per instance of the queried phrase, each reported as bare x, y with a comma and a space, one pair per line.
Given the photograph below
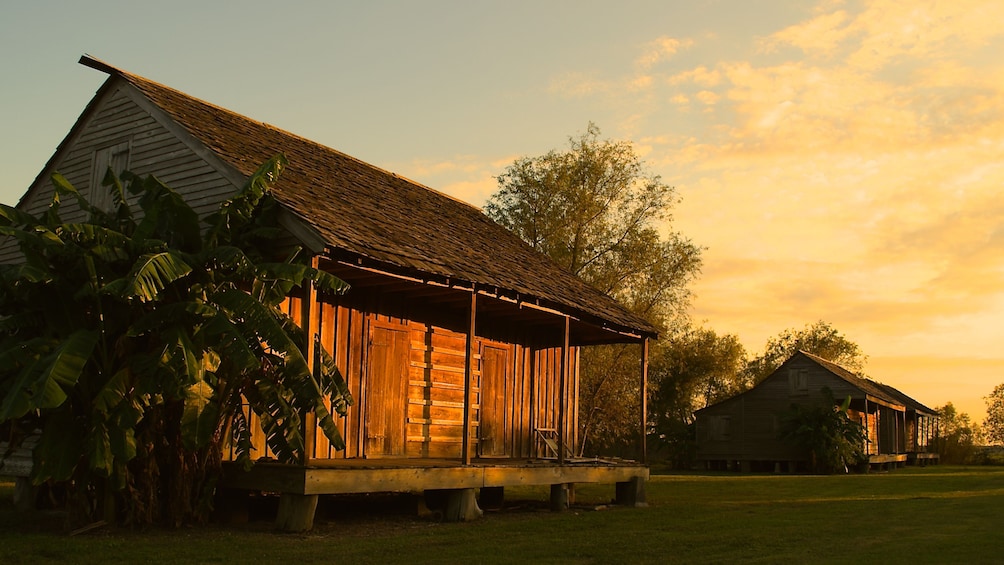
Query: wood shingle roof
362, 211
873, 388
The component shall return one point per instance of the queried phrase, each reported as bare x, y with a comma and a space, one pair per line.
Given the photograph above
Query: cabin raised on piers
459, 342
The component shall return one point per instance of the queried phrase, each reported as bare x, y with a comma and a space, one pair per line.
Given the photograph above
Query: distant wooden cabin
459, 342
741, 433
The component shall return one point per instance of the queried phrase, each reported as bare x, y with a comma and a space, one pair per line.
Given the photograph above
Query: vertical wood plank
575, 400
326, 326
361, 360
530, 359
468, 375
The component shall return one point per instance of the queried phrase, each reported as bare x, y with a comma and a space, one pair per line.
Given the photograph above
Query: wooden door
492, 424
386, 388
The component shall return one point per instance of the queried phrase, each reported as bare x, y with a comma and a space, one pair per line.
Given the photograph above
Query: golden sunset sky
840, 161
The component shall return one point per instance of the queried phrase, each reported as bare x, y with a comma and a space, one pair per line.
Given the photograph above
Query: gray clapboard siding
154, 149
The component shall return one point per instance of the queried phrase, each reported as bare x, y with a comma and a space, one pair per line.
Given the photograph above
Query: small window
721, 428
798, 381
115, 157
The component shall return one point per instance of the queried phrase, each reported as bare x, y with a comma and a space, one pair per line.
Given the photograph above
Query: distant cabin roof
369, 214
869, 386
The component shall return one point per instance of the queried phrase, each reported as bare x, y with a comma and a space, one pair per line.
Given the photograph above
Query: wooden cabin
741, 433
459, 342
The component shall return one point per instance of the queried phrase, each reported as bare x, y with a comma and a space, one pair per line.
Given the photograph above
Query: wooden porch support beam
562, 393
468, 376
309, 321
296, 512
644, 401
632, 492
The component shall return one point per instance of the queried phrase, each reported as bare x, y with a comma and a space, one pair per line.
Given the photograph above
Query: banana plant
825, 431
134, 339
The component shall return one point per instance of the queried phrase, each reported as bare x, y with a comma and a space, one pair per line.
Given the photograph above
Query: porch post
296, 511
562, 393
468, 375
899, 432
644, 400
903, 433
309, 321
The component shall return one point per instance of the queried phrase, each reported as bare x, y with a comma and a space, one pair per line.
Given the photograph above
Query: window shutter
115, 157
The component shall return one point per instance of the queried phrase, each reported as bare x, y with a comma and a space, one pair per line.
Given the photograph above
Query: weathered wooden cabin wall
911, 434
752, 418
870, 421
407, 381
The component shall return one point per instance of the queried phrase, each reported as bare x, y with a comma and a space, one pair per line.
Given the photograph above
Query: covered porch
458, 388
896, 432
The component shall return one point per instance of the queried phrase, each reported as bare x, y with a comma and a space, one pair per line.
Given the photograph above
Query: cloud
820, 35
469, 178
701, 76
707, 97
885, 32
659, 50
849, 168
577, 85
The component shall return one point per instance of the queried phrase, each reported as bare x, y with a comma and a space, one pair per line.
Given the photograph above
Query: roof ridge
98, 64
371, 212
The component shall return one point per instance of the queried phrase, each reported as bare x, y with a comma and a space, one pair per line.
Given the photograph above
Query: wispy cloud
659, 50
470, 178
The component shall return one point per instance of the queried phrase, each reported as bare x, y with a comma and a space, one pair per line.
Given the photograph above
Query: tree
691, 369
596, 212
130, 340
826, 433
993, 426
820, 339
957, 436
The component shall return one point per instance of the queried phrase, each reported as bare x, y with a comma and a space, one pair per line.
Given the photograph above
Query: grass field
913, 515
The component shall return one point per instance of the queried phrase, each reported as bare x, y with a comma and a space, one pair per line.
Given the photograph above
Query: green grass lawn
926, 515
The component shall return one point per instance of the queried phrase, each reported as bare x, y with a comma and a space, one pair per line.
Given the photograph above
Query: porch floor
344, 476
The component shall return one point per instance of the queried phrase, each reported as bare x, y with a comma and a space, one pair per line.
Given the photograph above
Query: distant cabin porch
895, 434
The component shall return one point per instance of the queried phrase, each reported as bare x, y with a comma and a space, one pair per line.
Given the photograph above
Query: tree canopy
693, 368
820, 339
131, 340
597, 212
993, 426
958, 436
